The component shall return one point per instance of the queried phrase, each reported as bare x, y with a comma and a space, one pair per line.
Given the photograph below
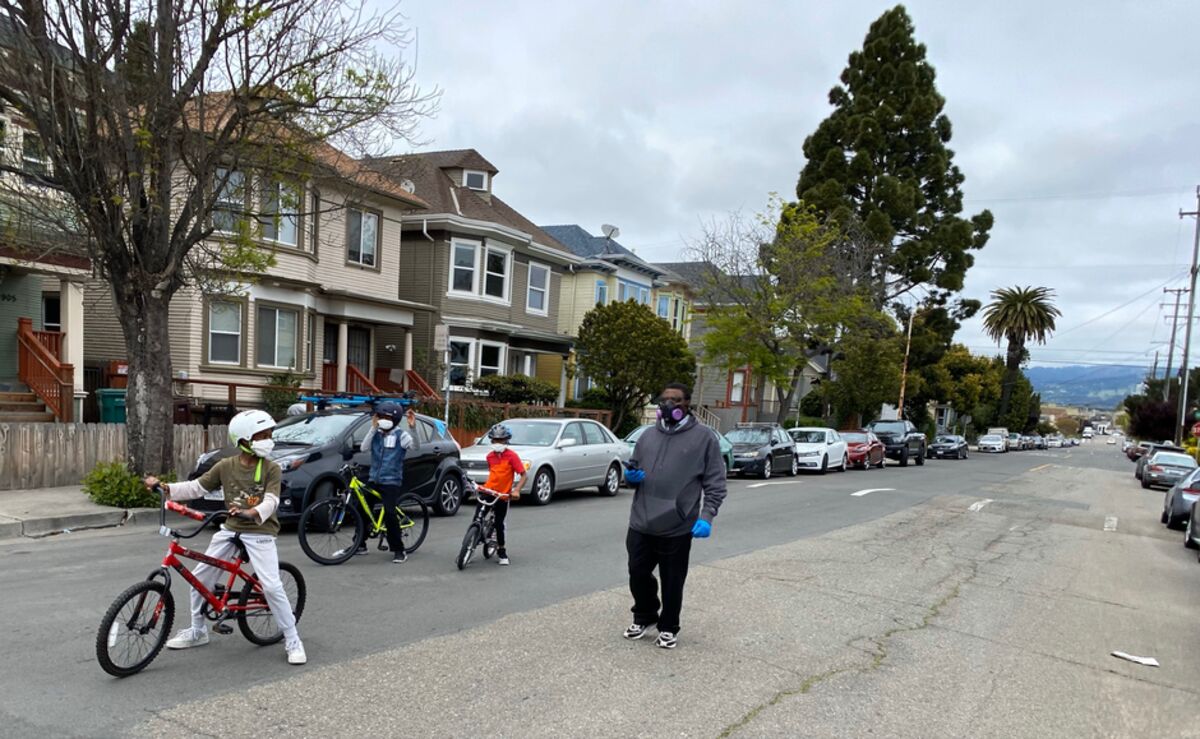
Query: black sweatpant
500, 511
670, 555
391, 495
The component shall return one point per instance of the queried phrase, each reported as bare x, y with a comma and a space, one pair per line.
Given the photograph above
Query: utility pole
904, 369
1174, 324
1154, 372
1187, 328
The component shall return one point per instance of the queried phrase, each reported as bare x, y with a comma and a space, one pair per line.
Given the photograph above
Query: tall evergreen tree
880, 159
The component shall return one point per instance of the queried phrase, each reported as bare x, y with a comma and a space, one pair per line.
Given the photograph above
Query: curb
37, 528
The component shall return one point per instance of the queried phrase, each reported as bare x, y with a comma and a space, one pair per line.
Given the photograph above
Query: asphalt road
56, 589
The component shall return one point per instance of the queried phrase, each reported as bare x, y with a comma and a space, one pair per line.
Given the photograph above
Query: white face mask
386, 424
262, 447
497, 448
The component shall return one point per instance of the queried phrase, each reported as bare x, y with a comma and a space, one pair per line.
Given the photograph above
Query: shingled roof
600, 248
432, 184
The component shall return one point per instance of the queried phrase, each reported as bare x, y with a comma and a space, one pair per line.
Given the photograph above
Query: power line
1106, 313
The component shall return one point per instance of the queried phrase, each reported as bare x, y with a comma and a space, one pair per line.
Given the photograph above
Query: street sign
441, 337
1196, 430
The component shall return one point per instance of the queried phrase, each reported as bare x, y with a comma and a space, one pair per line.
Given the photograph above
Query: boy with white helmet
251, 484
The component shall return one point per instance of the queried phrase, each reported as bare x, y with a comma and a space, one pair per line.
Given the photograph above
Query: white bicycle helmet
246, 424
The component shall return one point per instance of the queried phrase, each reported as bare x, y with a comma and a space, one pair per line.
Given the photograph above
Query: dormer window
475, 179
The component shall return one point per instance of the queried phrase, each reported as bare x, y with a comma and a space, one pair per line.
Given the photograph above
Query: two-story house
327, 309
492, 278
610, 272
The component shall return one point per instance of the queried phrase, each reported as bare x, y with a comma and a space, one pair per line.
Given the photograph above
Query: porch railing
52, 340
418, 383
706, 417
356, 381
52, 381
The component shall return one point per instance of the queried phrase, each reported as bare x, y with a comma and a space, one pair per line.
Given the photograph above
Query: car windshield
990, 438
855, 438
807, 437
889, 427
946, 440
636, 434
749, 436
531, 433
313, 430
1173, 459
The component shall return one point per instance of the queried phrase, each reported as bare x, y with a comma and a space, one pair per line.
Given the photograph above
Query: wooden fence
43, 455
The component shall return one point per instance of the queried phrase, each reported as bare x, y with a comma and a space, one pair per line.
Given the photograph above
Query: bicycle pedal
223, 629
383, 546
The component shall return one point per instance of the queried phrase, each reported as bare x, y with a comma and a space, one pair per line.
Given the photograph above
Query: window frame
451, 364
733, 385
273, 189
234, 203
545, 290
241, 335
466, 178
601, 292
46, 168
476, 247
501, 358
364, 210
261, 305
663, 307
505, 252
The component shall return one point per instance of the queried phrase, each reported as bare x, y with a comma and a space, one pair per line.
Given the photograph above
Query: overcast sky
1076, 123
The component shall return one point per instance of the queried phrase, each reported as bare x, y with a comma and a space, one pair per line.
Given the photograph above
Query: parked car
1111, 440
1140, 467
864, 449
1180, 499
1054, 442
763, 449
1137, 450
311, 448
1014, 442
1027, 442
1165, 468
559, 454
993, 443
726, 445
901, 441
948, 446
1039, 441
820, 449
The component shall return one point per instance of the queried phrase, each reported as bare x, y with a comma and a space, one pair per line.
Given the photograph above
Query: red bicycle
137, 624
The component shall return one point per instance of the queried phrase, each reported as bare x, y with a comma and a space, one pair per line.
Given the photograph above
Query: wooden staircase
17, 406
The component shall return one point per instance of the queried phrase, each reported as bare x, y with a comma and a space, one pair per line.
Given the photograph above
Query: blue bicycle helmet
389, 409
500, 432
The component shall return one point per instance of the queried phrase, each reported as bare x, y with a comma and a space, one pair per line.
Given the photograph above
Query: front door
358, 351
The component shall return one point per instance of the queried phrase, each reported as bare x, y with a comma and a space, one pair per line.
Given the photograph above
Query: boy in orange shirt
504, 470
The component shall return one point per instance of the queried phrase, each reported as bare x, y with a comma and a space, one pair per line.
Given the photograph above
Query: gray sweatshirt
684, 469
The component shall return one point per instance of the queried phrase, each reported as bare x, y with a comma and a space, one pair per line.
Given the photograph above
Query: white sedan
993, 443
559, 454
820, 449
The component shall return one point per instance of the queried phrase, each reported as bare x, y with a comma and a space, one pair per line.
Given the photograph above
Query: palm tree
1018, 314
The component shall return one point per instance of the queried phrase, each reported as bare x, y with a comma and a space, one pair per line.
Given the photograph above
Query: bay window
276, 333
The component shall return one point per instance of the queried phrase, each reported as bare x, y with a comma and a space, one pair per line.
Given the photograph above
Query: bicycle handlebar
204, 518
185, 511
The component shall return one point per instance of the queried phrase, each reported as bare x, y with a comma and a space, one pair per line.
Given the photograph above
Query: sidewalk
48, 511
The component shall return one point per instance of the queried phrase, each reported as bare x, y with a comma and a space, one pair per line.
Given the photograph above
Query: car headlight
290, 463
809, 454
747, 455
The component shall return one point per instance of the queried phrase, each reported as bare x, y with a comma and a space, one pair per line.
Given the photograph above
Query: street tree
148, 115
866, 371
881, 160
968, 383
1019, 315
630, 354
780, 289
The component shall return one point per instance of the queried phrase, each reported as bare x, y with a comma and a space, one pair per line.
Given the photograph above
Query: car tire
1145, 484
882, 461
1187, 536
824, 465
795, 466
845, 462
1173, 521
921, 457
766, 470
543, 487
966, 453
448, 498
612, 481
904, 458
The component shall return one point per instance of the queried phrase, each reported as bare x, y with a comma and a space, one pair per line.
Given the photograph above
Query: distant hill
1086, 385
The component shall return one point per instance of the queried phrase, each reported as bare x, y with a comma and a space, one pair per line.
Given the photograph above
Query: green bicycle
332, 529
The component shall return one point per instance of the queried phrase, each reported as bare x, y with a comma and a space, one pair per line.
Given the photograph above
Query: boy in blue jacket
388, 444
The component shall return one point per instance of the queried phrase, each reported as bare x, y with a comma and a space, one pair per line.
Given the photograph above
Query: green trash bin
112, 404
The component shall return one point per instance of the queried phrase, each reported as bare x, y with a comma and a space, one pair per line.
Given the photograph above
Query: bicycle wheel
489, 538
469, 542
414, 522
331, 531
135, 628
255, 618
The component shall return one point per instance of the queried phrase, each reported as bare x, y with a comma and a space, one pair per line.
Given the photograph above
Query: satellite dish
408, 186
610, 232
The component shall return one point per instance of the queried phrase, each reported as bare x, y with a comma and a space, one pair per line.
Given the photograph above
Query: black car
901, 441
948, 446
763, 449
312, 448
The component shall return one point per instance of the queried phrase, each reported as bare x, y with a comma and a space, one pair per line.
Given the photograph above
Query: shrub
276, 399
811, 421
112, 484
516, 389
593, 399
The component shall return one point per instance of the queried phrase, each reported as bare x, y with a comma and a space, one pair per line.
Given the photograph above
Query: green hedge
112, 484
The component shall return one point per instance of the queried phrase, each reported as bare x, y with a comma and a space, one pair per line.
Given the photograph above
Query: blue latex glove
702, 529
635, 477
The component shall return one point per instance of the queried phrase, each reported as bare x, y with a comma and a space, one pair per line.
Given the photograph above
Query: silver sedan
559, 454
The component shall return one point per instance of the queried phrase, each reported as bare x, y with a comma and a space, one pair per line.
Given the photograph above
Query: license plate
217, 494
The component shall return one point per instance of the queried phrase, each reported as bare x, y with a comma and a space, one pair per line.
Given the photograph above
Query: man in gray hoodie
678, 476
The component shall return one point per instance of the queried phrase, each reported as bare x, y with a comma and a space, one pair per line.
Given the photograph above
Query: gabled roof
433, 185
601, 248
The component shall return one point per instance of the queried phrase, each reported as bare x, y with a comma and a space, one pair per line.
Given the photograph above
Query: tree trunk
148, 402
785, 399
1013, 365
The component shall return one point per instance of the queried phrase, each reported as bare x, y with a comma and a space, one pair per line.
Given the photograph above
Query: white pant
264, 557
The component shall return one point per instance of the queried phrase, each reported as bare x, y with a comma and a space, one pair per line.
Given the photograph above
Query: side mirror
564, 443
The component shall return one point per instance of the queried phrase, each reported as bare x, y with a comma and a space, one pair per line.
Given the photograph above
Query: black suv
901, 441
763, 449
312, 447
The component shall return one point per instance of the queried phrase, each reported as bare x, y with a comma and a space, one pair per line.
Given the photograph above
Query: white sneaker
503, 561
188, 638
295, 653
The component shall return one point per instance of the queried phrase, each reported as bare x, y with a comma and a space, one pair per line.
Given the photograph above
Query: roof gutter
471, 224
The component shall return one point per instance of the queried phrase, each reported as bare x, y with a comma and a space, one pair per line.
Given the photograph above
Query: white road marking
781, 482
978, 505
1110, 523
868, 491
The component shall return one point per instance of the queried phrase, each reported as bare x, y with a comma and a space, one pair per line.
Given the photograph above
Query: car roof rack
324, 401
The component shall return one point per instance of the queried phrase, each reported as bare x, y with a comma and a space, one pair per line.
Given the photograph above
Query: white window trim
241, 324
299, 325
376, 247
468, 172
44, 161
295, 215
600, 285
477, 247
501, 361
218, 202
529, 288
471, 353
483, 274
658, 307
